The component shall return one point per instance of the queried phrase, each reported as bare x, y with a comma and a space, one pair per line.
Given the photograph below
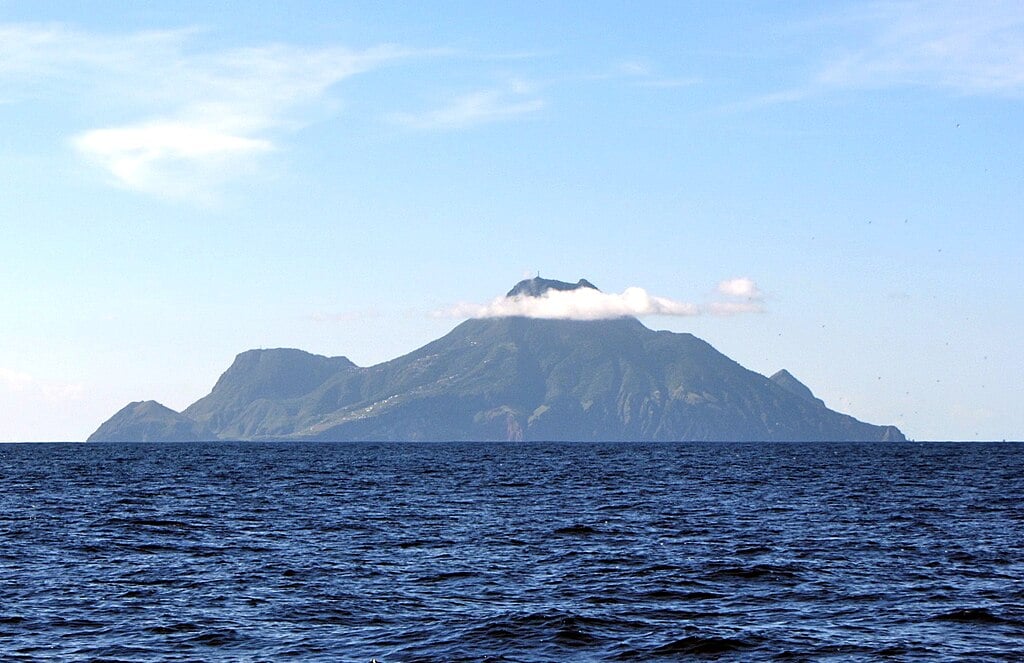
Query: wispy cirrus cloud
643, 75
37, 55
590, 304
188, 116
513, 100
972, 48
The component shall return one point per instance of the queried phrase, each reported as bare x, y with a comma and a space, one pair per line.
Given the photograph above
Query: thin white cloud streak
669, 83
481, 107
970, 47
344, 317
772, 99
734, 308
642, 76
37, 54
200, 116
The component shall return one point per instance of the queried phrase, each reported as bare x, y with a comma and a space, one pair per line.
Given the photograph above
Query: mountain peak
787, 381
537, 286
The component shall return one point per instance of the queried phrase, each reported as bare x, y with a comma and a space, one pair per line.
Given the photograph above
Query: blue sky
180, 182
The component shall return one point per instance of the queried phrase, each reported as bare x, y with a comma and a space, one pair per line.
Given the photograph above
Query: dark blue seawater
512, 552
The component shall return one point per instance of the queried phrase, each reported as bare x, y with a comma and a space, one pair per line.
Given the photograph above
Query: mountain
517, 378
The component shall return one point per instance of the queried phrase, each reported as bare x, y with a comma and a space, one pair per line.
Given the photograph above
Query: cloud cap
559, 300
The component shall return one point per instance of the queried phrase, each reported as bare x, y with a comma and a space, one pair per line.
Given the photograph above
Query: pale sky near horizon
832, 188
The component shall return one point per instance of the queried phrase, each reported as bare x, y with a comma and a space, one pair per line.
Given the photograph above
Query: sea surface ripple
511, 552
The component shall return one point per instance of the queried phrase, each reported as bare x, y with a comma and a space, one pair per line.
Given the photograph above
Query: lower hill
511, 378
149, 421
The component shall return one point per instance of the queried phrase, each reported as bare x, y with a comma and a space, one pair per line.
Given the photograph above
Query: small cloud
18, 382
579, 304
739, 287
745, 294
14, 380
480, 107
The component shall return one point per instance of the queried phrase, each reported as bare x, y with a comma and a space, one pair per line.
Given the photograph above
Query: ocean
512, 552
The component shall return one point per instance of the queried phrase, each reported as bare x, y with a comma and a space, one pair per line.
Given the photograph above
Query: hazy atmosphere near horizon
834, 189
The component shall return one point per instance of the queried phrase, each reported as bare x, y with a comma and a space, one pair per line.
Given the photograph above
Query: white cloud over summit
579, 304
589, 304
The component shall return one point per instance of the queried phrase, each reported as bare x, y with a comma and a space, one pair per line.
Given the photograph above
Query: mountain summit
537, 286
509, 378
